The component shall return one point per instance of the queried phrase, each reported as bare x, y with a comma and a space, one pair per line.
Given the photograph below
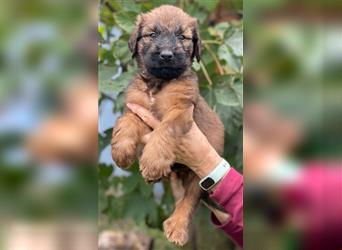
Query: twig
205, 72
211, 42
218, 64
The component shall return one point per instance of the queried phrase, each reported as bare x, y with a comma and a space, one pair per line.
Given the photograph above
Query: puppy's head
165, 42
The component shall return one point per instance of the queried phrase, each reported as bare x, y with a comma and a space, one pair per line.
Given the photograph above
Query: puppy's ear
196, 41
135, 37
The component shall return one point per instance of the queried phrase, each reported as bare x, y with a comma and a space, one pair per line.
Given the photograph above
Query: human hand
193, 149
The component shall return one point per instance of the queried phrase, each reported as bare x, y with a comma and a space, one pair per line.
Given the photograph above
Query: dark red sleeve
229, 194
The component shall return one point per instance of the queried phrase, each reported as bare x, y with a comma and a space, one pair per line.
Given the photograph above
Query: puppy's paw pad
176, 231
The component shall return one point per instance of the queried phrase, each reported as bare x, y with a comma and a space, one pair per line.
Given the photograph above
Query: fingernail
130, 106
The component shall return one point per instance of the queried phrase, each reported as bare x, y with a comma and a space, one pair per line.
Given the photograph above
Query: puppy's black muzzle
166, 55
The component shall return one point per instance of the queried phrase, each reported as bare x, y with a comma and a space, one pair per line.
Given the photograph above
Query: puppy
165, 42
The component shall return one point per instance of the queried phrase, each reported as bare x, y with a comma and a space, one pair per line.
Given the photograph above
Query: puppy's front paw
176, 230
155, 162
123, 149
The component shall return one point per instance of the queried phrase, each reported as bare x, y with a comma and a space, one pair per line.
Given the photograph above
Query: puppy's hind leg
176, 228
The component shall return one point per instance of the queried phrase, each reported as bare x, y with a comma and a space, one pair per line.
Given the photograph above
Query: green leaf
105, 55
119, 102
102, 30
137, 207
168, 200
145, 189
126, 20
130, 183
106, 84
238, 86
235, 42
225, 54
105, 140
209, 96
208, 4
116, 208
219, 30
194, 11
151, 211
117, 5
121, 49
122, 81
106, 72
106, 15
196, 66
231, 116
228, 93
105, 171
115, 182
131, 6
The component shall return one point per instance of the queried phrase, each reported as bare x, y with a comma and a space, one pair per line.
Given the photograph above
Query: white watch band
215, 176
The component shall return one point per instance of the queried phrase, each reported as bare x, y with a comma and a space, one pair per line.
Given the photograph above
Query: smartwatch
215, 176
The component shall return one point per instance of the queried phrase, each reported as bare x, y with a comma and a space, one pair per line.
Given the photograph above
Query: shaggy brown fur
166, 28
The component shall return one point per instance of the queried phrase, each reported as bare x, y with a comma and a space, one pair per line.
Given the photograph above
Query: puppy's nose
166, 55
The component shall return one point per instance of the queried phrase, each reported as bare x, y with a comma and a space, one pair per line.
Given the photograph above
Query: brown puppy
164, 43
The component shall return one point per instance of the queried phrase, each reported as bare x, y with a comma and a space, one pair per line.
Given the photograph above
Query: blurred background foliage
39, 59
40, 56
293, 65
123, 195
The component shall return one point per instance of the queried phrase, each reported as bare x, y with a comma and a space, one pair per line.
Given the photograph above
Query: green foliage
220, 81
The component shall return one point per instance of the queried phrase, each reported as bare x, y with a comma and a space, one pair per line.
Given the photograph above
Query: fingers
144, 114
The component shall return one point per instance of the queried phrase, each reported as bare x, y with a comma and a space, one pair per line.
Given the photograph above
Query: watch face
207, 183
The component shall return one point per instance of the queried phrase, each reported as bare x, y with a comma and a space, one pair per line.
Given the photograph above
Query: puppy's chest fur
161, 100
152, 98
158, 103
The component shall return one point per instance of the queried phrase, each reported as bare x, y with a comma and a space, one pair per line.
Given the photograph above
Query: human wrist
208, 163
209, 182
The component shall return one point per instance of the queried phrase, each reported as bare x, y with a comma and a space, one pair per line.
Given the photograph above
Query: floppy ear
197, 42
135, 37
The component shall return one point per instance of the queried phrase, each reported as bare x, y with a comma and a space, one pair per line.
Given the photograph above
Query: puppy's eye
153, 35
181, 37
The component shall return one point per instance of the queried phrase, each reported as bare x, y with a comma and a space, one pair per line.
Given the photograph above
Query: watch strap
215, 176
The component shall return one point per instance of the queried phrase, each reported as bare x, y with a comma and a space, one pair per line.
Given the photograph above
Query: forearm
205, 167
228, 193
